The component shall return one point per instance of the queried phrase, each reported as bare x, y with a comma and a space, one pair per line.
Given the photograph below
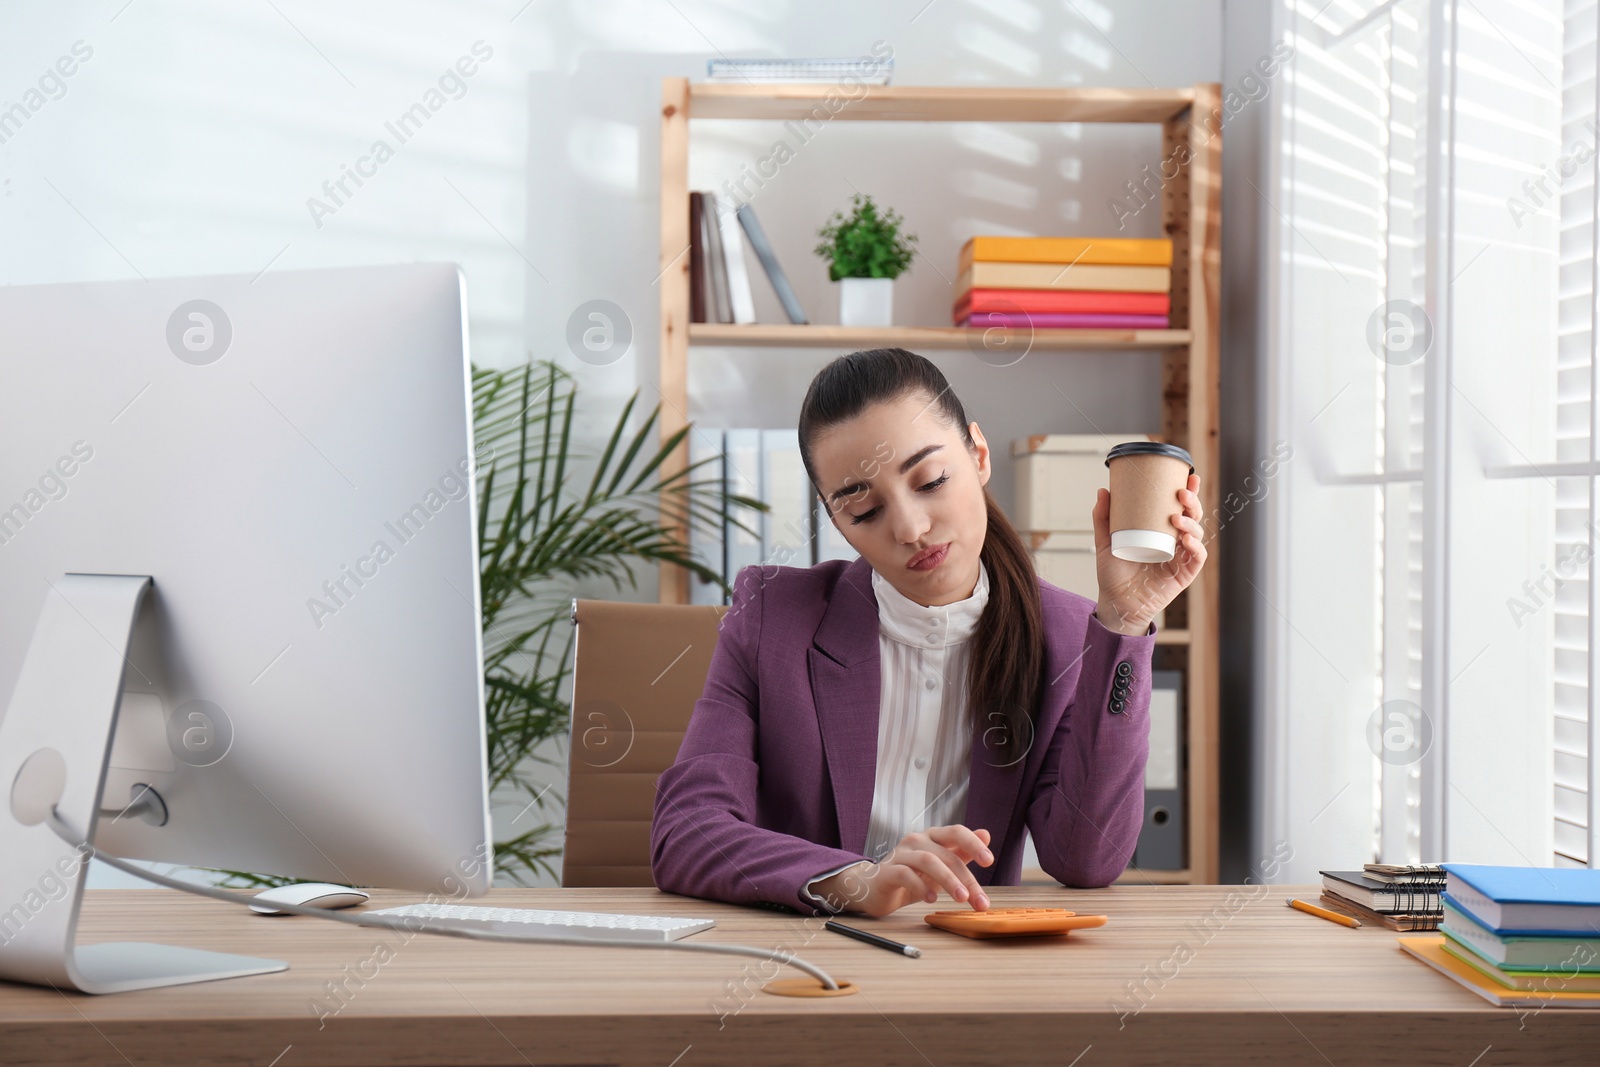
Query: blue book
1537, 901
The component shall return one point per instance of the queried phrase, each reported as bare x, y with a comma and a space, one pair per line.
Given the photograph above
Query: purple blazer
773, 782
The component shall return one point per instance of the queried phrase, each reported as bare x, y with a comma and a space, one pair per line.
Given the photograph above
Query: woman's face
903, 487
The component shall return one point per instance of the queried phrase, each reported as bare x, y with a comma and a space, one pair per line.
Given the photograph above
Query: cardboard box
1066, 558
1057, 475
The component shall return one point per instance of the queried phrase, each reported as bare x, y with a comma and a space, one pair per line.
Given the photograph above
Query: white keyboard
534, 923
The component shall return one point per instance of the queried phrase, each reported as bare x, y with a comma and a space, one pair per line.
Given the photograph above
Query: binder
786, 529
769, 263
720, 306
1161, 840
743, 462
708, 546
739, 291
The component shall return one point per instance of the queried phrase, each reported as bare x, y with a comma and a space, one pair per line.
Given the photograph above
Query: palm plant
536, 536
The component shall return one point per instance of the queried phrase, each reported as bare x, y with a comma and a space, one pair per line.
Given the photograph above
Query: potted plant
866, 251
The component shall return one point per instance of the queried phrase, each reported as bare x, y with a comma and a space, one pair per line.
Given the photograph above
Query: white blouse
924, 738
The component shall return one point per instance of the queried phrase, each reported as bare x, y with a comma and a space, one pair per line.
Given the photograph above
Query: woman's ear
981, 449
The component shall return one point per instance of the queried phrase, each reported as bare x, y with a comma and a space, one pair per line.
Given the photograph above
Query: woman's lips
929, 558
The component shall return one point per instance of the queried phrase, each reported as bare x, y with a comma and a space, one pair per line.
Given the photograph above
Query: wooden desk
1229, 975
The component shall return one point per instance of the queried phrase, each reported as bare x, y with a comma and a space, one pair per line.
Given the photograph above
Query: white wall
193, 137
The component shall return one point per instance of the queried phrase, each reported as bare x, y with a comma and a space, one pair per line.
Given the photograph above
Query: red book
1049, 320
1063, 301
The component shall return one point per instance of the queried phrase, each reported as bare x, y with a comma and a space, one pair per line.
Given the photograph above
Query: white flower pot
866, 301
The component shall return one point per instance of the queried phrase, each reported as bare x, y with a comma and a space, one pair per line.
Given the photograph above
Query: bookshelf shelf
938, 103
850, 338
1190, 124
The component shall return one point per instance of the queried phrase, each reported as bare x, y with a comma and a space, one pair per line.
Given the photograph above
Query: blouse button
920, 762
929, 682
933, 639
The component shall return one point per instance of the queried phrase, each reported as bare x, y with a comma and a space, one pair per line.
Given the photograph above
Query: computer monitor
238, 540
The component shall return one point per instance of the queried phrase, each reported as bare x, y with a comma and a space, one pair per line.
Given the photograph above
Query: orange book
1126, 251
1430, 950
1061, 276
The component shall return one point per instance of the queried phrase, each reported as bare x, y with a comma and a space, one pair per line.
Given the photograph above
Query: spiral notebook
1398, 921
1402, 898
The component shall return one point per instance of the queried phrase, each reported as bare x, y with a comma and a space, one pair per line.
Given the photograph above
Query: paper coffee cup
1145, 479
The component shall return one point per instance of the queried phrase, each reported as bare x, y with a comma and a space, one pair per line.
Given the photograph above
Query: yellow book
1553, 981
1430, 950
1059, 276
1127, 251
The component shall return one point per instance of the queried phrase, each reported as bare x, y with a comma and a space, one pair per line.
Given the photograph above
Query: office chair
637, 671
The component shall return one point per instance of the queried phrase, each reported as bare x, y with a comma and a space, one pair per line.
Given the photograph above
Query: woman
875, 731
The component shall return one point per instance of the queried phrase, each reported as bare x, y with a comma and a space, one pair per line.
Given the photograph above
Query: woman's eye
866, 516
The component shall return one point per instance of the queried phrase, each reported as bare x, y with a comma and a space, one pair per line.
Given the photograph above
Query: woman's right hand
923, 863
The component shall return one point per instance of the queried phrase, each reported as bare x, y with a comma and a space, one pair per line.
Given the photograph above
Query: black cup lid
1149, 448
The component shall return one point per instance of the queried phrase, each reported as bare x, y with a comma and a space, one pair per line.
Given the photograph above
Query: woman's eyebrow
910, 461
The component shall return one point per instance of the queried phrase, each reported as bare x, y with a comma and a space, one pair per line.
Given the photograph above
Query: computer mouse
312, 894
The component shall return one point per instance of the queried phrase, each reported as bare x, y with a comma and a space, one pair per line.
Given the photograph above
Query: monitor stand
55, 743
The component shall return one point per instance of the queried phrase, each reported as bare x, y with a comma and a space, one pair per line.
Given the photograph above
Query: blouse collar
903, 619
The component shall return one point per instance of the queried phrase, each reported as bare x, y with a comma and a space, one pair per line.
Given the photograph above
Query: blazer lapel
846, 685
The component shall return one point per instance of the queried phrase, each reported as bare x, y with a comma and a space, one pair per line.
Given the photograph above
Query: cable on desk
71, 837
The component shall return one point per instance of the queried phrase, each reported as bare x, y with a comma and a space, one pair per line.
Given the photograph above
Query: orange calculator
1012, 922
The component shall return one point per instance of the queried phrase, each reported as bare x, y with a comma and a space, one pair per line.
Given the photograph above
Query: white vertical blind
1404, 130
1574, 500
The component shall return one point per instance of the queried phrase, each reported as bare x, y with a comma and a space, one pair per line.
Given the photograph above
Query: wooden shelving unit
850, 338
1190, 121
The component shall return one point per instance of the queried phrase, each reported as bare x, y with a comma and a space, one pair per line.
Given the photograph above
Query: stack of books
1399, 896
1519, 936
719, 277
1064, 283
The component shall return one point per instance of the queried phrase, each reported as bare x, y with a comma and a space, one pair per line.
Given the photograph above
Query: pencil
872, 939
1331, 916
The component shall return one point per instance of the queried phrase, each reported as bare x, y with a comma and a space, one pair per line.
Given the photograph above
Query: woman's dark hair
1007, 658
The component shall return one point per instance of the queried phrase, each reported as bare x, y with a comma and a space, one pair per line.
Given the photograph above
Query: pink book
1054, 321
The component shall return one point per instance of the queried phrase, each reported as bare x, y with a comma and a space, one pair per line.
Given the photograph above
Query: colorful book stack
1064, 283
1399, 896
1519, 936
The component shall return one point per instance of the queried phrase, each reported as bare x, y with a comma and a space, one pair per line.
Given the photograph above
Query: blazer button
1118, 705
1124, 669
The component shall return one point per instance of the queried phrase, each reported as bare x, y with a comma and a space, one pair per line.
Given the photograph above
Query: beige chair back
637, 671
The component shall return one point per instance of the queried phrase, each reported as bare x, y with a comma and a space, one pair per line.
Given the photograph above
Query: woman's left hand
1132, 593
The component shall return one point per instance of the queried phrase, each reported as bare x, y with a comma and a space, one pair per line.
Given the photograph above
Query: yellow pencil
1331, 916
